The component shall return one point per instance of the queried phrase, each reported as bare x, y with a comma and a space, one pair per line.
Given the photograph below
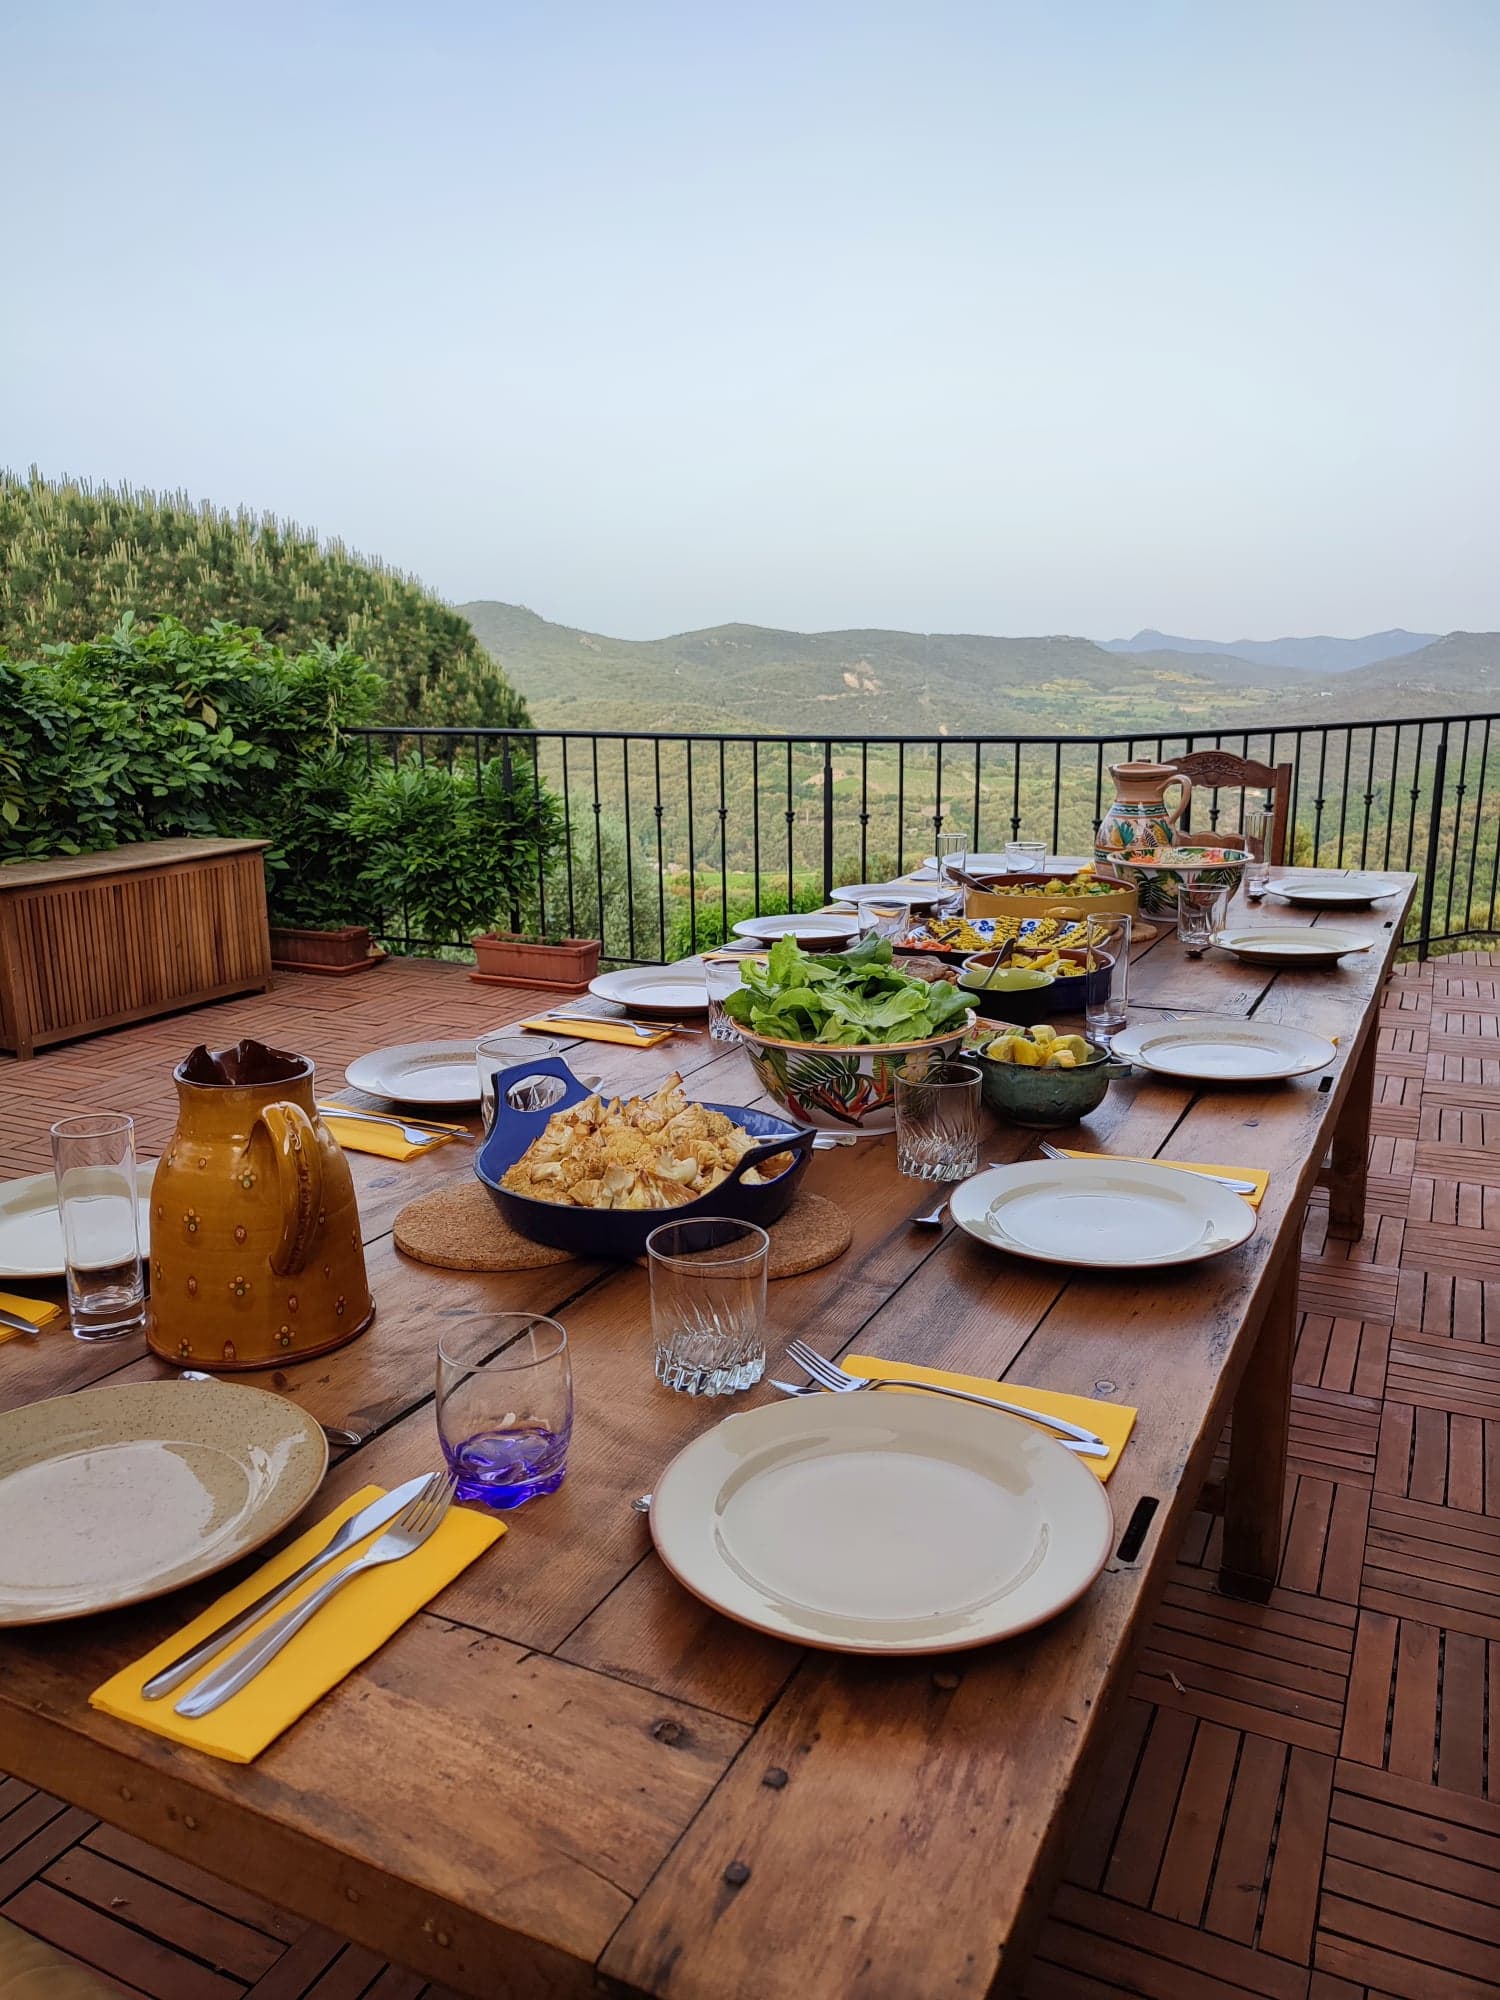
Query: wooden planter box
89, 941
332, 953
507, 960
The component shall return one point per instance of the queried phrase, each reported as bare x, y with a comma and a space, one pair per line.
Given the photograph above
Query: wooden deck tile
1300, 1800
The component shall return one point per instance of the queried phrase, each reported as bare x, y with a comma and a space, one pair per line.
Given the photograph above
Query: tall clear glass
1258, 829
721, 975
93, 1158
504, 1405
708, 1304
503, 1050
1106, 941
952, 851
1200, 917
937, 1121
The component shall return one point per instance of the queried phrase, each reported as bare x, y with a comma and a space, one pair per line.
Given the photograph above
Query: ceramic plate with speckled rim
118, 1494
894, 1524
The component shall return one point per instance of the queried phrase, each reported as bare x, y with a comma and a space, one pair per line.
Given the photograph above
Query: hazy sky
1008, 317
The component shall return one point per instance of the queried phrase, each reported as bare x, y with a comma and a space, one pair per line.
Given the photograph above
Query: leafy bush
453, 851
152, 733
74, 557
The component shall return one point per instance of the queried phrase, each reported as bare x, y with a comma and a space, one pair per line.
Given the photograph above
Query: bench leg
1348, 1169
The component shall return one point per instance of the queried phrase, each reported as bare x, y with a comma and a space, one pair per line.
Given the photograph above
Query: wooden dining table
566, 1774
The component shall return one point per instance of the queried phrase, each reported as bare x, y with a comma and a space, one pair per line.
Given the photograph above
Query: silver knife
1083, 1443
365, 1522
20, 1325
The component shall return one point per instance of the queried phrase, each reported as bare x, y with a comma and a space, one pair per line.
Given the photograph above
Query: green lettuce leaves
847, 1000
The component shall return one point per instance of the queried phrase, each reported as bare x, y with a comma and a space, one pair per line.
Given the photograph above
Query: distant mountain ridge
874, 682
1321, 655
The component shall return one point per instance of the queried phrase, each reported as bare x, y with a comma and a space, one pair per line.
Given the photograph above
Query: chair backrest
1217, 770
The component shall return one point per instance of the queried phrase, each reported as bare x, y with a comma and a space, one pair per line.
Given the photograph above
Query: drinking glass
94, 1161
504, 1405
1258, 828
708, 1304
952, 851
502, 1051
1106, 941
885, 919
937, 1121
1026, 857
721, 975
1200, 917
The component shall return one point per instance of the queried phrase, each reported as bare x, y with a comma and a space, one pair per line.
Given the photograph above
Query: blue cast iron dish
622, 1232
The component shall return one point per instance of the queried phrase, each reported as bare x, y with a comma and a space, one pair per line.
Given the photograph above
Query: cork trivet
459, 1228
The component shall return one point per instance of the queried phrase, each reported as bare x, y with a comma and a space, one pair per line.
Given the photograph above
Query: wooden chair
1221, 769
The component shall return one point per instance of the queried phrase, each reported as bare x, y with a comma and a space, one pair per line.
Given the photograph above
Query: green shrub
451, 851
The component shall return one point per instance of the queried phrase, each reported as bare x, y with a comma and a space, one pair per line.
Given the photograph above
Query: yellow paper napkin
601, 1031
1113, 1422
41, 1312
1259, 1175
354, 1625
363, 1135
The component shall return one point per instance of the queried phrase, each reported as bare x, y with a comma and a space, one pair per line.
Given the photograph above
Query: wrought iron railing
669, 838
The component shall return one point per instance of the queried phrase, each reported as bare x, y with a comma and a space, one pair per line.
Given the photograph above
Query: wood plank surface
949, 1780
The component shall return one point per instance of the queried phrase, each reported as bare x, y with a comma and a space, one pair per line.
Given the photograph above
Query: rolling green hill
75, 556
860, 683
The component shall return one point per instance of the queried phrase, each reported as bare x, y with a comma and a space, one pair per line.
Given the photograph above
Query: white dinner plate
816, 923
1291, 944
31, 1238
419, 1073
1221, 1048
881, 1523
1103, 1215
1332, 888
117, 1494
655, 989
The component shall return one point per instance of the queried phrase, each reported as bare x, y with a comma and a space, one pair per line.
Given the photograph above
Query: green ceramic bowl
1046, 1096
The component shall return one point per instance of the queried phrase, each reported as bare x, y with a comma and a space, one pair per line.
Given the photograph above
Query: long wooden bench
88, 941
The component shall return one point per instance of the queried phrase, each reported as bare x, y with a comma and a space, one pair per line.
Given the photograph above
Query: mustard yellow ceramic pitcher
256, 1257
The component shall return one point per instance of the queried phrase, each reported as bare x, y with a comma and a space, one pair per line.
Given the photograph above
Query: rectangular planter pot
333, 953
508, 961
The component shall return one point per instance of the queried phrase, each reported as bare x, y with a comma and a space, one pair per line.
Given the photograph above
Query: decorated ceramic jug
256, 1257
1138, 816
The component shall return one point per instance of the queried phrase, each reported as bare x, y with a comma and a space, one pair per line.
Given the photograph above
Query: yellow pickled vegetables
1042, 1048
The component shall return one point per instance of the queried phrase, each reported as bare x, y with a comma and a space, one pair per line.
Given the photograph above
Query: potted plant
451, 849
526, 958
314, 870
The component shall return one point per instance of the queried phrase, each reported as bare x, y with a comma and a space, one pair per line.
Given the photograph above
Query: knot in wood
775, 1778
946, 1680
669, 1732
737, 1874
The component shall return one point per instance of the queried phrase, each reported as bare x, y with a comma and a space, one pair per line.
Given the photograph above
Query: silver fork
828, 1375
402, 1538
1221, 1180
418, 1135
933, 1219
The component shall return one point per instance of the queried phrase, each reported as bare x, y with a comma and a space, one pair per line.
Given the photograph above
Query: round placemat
459, 1228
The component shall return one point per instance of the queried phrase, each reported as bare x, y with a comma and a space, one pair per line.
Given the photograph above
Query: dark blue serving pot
622, 1232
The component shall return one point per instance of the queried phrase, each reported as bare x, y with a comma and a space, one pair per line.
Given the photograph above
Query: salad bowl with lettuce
827, 1032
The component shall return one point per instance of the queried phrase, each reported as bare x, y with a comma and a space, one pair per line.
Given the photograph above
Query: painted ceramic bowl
843, 1089
1159, 872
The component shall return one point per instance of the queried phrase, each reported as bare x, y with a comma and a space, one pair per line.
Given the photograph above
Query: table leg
1256, 1482
1349, 1156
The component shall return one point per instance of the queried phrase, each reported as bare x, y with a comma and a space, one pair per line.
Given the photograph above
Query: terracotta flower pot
508, 960
332, 952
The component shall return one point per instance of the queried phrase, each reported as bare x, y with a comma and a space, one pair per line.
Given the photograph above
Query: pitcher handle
1179, 778
299, 1176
